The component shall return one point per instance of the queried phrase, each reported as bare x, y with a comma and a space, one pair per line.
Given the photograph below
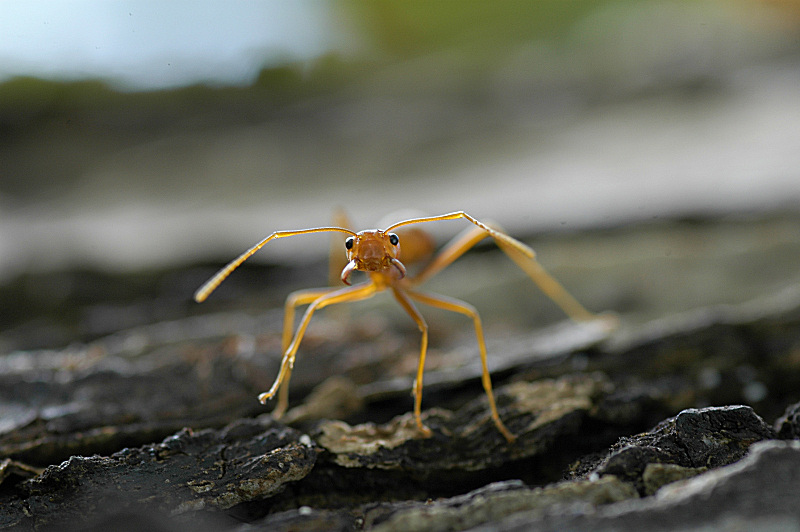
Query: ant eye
393, 239
349, 243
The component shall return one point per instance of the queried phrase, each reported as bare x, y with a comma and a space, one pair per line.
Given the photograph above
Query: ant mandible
377, 252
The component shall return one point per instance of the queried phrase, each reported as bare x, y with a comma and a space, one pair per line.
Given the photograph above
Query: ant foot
424, 430
507, 434
264, 397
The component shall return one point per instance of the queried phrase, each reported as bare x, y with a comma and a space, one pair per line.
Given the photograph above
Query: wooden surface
159, 421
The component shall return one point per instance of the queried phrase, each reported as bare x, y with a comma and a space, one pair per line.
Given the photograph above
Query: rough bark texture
658, 425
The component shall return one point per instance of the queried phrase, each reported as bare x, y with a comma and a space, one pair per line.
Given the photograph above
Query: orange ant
377, 252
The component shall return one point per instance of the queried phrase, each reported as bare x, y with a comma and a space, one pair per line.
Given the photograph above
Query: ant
377, 252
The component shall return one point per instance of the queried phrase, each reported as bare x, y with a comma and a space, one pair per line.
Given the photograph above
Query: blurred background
141, 140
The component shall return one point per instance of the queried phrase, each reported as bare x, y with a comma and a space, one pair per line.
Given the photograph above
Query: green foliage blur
479, 29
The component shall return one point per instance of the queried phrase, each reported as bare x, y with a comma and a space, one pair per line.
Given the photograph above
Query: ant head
373, 251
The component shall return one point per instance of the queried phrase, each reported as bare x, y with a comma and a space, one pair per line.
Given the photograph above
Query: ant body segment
378, 253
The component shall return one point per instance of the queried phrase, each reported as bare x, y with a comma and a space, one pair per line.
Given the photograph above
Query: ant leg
452, 251
343, 295
295, 299
546, 282
412, 311
468, 310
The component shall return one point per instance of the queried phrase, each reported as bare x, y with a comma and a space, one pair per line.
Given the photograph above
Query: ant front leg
295, 299
412, 311
455, 305
325, 298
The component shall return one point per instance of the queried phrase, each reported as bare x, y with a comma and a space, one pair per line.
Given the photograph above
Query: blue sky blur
155, 44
